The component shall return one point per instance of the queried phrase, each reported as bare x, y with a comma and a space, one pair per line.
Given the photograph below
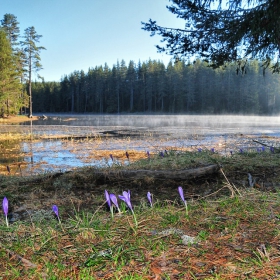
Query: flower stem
187, 211
112, 212
7, 222
136, 223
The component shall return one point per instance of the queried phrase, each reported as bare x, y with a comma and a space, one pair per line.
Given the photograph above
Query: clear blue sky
80, 34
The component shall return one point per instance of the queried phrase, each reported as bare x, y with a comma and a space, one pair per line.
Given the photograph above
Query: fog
87, 135
175, 124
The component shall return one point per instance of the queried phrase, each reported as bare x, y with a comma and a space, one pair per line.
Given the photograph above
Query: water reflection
126, 133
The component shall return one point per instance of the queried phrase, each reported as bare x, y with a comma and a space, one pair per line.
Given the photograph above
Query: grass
16, 119
236, 242
237, 232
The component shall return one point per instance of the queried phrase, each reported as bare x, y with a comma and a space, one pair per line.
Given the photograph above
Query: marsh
63, 142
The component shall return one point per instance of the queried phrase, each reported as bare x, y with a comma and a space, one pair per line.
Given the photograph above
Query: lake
70, 141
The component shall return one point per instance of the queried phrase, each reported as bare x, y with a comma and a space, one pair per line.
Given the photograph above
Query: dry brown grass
17, 119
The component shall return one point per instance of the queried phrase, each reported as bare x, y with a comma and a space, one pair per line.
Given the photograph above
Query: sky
83, 34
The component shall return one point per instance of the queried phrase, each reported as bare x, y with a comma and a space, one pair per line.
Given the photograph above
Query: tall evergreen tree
10, 25
32, 54
131, 79
10, 87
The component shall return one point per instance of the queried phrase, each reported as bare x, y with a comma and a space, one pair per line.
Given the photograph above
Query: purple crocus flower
161, 154
148, 154
8, 169
114, 200
127, 155
212, 150
263, 148
231, 153
108, 200
199, 150
6, 209
241, 151
149, 196
181, 192
55, 210
126, 198
5, 206
271, 149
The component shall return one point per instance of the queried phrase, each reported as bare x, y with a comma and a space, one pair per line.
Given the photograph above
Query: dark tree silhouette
223, 31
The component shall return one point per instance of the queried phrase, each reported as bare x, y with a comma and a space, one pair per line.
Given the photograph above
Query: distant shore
16, 119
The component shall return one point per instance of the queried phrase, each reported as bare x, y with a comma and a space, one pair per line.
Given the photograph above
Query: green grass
237, 235
230, 232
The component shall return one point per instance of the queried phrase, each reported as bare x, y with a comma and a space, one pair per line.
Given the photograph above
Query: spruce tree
10, 87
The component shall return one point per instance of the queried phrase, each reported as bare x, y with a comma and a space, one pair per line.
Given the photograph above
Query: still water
69, 141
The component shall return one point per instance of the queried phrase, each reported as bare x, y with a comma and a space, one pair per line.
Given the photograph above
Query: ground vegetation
232, 225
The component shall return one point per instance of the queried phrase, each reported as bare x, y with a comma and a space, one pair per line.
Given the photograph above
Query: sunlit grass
230, 234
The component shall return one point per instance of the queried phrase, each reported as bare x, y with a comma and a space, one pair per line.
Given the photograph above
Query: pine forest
152, 87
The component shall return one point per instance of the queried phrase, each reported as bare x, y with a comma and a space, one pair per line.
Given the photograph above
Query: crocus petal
126, 198
55, 210
107, 196
127, 155
181, 192
111, 156
126, 194
114, 200
5, 206
149, 196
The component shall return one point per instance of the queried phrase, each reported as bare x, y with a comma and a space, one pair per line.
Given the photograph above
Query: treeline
152, 87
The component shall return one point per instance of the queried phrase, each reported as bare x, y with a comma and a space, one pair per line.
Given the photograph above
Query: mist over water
199, 124
136, 132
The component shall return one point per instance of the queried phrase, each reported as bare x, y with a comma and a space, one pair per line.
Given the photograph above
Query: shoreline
17, 119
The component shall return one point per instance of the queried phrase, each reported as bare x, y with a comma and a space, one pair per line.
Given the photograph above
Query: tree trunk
185, 174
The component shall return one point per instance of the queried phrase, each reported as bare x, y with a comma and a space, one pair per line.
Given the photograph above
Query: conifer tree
221, 31
10, 87
10, 25
32, 54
